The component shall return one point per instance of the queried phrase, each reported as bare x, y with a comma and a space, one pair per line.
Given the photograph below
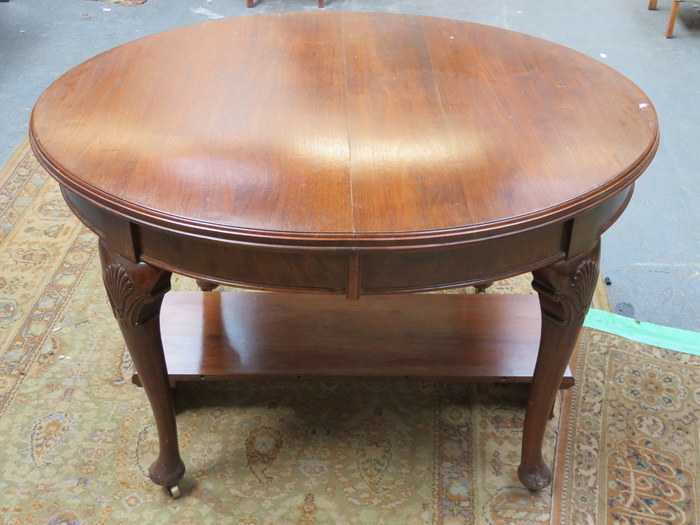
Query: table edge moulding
356, 157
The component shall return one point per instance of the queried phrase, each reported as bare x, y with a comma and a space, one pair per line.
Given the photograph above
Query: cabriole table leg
135, 292
565, 290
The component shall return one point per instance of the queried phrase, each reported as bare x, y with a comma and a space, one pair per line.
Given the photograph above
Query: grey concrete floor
651, 255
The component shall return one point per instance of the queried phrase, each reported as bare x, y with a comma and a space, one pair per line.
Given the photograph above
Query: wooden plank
248, 335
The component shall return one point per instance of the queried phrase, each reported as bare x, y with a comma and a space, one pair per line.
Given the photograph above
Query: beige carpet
77, 437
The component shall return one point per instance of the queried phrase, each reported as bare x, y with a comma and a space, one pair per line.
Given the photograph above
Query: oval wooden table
352, 154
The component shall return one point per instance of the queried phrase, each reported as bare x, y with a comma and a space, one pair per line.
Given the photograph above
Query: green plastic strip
647, 333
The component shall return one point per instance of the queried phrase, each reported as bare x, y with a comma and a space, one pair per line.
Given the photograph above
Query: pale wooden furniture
352, 156
671, 17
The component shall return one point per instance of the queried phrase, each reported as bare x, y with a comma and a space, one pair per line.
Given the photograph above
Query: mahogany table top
344, 129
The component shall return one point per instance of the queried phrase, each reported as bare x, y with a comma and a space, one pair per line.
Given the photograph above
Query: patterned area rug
629, 447
77, 437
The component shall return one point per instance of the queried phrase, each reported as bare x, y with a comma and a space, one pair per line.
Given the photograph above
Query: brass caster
173, 492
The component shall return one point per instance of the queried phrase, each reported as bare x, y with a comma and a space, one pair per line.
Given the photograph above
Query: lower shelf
259, 335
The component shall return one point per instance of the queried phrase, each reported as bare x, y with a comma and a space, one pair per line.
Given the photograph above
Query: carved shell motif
583, 285
574, 298
126, 302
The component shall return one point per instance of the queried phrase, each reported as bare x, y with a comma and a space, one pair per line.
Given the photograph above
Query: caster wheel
173, 492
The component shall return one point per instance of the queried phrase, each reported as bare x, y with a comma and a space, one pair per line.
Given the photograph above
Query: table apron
350, 271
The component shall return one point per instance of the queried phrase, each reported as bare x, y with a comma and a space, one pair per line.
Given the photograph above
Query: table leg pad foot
536, 477
166, 474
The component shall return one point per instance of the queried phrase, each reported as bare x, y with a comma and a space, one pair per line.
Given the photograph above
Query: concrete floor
651, 255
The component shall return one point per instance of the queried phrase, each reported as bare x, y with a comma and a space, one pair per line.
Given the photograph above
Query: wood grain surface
226, 336
355, 154
343, 128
